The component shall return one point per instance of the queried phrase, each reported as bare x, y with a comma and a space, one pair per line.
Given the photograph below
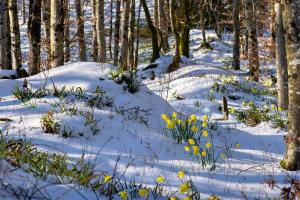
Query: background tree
80, 30
291, 160
4, 57
236, 35
124, 38
281, 61
57, 33
100, 29
34, 35
253, 43
117, 31
67, 41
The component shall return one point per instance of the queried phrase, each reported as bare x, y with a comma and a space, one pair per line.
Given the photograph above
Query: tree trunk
57, 33
131, 34
15, 35
23, 12
163, 26
253, 43
136, 58
4, 60
174, 21
34, 35
117, 31
292, 38
155, 47
95, 42
100, 31
66, 31
236, 33
80, 30
156, 21
281, 61
110, 29
202, 22
46, 24
124, 39
185, 35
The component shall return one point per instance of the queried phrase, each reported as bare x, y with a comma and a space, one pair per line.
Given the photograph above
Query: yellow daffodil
192, 119
187, 198
183, 188
238, 146
279, 108
205, 133
179, 121
164, 117
170, 124
187, 148
123, 195
273, 107
107, 178
160, 179
195, 150
173, 198
143, 192
204, 124
223, 155
205, 118
174, 115
208, 145
191, 142
203, 153
244, 103
194, 129
180, 174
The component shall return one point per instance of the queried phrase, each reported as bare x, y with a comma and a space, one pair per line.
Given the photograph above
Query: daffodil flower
203, 153
123, 195
107, 178
143, 192
191, 142
205, 133
160, 179
196, 150
238, 146
208, 145
194, 129
180, 174
183, 188
187, 148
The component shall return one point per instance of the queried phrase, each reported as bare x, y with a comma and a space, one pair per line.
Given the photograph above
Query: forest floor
122, 135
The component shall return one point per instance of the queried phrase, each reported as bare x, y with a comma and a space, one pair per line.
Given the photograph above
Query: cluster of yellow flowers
173, 120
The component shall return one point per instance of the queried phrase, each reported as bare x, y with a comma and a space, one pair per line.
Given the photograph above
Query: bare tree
4, 59
292, 26
124, 38
281, 60
100, 30
34, 35
15, 35
236, 37
57, 33
80, 30
117, 31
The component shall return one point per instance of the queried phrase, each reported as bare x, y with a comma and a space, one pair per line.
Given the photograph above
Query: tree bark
15, 35
80, 30
4, 59
46, 25
34, 35
23, 12
95, 42
174, 23
281, 60
57, 33
124, 38
185, 35
155, 47
110, 30
253, 43
163, 26
66, 31
117, 31
131, 37
292, 27
236, 35
100, 31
